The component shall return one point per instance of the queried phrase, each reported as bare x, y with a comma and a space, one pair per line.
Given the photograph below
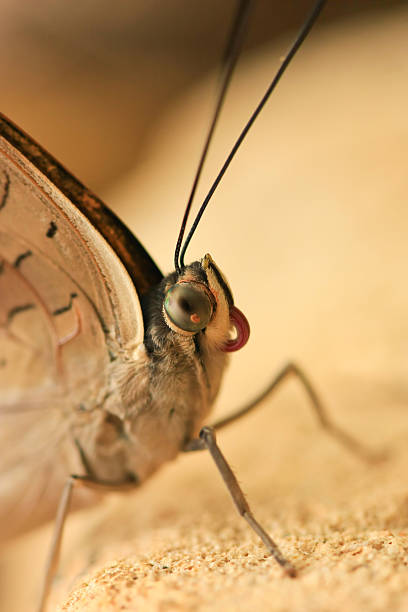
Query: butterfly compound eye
188, 307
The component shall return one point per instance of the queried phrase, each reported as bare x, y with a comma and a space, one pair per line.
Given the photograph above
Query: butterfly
109, 353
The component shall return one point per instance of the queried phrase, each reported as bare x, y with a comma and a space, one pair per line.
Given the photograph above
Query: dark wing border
138, 263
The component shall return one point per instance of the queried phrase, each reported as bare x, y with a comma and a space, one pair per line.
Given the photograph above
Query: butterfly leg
293, 370
207, 440
53, 554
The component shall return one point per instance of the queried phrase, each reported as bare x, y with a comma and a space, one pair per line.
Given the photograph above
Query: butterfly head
194, 302
199, 300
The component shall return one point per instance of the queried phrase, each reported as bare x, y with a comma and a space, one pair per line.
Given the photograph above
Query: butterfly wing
70, 274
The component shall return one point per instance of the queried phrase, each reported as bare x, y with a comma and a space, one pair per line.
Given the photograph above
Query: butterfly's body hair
162, 392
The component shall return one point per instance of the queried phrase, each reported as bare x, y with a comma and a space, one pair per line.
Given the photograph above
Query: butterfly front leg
207, 440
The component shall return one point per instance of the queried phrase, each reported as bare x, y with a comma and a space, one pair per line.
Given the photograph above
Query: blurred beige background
310, 228
91, 82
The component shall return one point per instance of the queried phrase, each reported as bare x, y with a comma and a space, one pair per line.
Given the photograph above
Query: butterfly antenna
307, 26
230, 56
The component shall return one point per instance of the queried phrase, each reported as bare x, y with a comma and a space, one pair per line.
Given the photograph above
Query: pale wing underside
67, 308
65, 295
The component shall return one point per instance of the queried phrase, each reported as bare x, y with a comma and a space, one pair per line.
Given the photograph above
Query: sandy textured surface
311, 229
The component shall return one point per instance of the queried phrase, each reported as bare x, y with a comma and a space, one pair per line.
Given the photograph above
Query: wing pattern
68, 308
